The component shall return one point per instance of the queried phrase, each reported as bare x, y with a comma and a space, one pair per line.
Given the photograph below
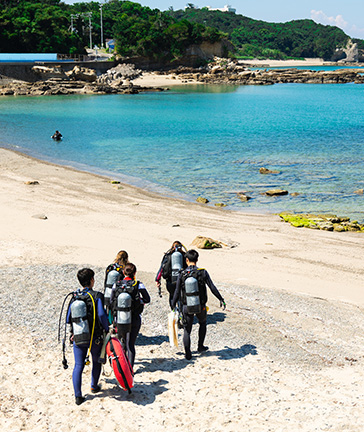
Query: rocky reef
324, 222
80, 80
223, 71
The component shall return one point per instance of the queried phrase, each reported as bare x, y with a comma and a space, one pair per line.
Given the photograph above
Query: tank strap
123, 309
87, 361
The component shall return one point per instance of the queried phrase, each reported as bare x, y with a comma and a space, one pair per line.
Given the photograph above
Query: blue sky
347, 14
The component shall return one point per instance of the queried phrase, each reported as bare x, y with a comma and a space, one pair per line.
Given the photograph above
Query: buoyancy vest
193, 304
173, 262
130, 287
126, 302
82, 316
113, 273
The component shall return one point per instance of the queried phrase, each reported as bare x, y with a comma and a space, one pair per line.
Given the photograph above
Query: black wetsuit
136, 321
171, 287
201, 317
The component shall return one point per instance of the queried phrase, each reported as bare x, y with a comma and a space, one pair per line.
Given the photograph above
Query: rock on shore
81, 80
224, 71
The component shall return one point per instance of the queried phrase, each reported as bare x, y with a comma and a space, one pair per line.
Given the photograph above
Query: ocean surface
208, 141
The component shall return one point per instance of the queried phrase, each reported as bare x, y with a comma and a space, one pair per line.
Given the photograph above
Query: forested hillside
301, 38
45, 26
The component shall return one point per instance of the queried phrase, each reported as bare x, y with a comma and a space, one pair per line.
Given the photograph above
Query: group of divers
92, 315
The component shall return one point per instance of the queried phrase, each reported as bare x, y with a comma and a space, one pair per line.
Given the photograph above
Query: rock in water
202, 200
276, 192
268, 171
243, 197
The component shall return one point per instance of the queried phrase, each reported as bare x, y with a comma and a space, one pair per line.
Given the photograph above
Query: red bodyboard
120, 363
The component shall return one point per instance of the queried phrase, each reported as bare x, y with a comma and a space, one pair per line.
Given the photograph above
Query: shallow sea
208, 141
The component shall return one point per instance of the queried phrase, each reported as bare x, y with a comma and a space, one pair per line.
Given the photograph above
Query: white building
226, 8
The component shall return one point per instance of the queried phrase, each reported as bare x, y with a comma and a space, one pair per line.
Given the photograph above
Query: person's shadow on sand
215, 318
144, 393
162, 364
150, 340
233, 353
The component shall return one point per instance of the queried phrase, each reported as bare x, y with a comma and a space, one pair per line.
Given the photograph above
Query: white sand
153, 79
89, 220
284, 63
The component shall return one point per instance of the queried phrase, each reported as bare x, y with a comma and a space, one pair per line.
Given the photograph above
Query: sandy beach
286, 355
285, 63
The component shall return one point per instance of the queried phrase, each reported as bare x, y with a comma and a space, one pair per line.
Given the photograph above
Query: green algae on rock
324, 222
202, 242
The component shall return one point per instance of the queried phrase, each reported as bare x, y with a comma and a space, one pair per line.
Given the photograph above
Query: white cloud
350, 29
356, 31
321, 17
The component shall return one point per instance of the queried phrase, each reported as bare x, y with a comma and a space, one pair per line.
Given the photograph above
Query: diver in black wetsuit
203, 278
57, 136
140, 297
167, 270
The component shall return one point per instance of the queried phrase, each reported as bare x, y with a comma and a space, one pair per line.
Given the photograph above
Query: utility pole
102, 28
83, 15
89, 14
73, 17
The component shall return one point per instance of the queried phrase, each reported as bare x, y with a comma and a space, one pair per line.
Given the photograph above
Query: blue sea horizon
208, 141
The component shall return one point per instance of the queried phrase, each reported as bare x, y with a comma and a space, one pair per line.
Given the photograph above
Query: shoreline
286, 354
270, 253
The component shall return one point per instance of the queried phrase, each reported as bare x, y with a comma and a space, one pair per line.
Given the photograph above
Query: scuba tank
81, 329
176, 264
123, 316
192, 295
112, 277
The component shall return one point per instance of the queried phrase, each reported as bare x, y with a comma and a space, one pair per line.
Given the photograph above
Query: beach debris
40, 216
175, 225
220, 205
32, 182
202, 200
322, 222
206, 243
268, 171
243, 197
275, 192
114, 182
359, 191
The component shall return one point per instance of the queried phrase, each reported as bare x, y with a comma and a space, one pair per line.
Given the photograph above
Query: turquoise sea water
208, 141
